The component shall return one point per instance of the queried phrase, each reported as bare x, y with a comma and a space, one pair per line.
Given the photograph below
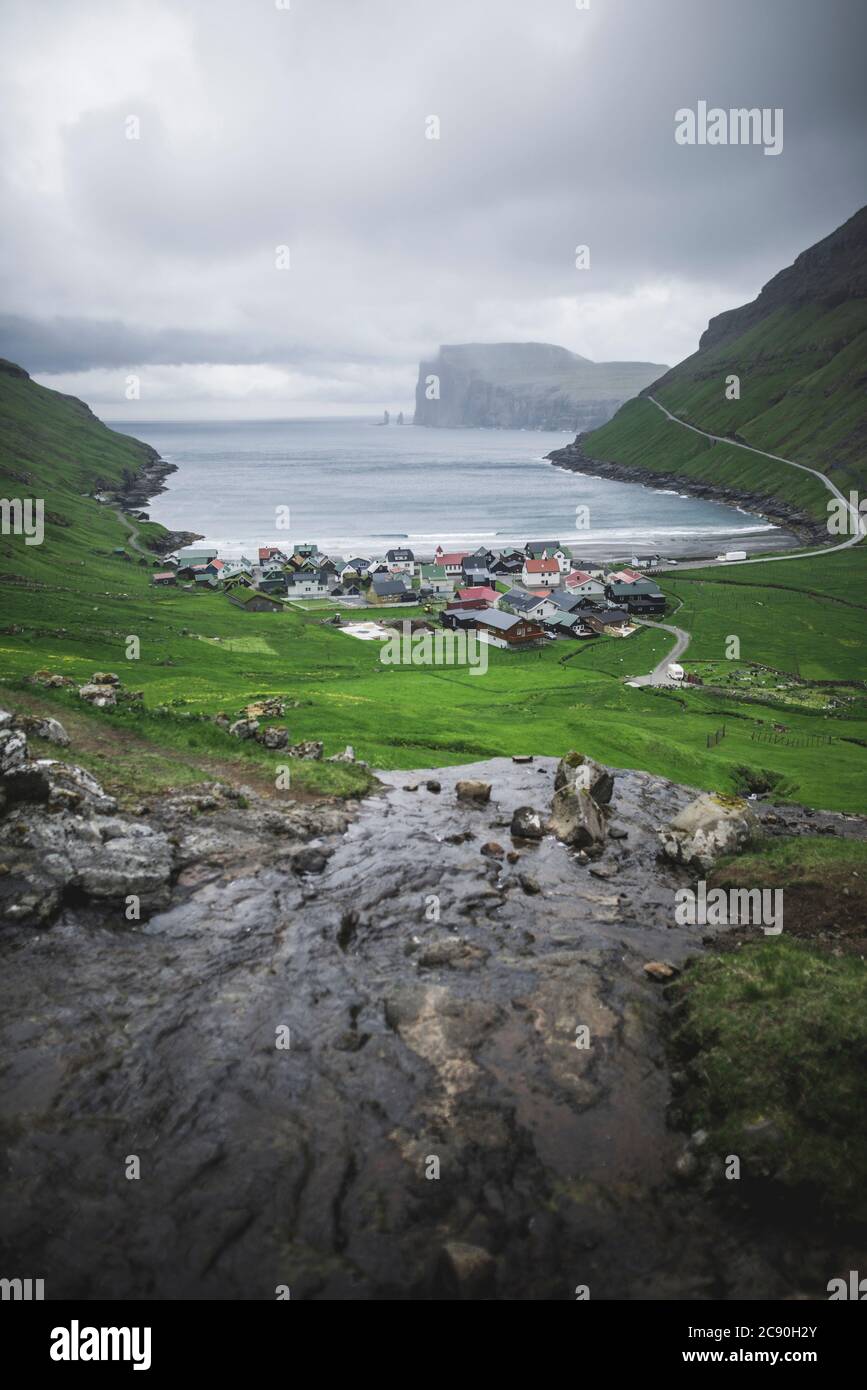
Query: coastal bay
352, 485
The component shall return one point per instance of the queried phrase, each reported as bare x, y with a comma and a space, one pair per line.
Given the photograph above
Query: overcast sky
305, 127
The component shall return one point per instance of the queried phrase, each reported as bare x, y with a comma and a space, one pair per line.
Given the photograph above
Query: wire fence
791, 741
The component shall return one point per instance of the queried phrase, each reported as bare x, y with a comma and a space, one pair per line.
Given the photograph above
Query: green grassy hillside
800, 353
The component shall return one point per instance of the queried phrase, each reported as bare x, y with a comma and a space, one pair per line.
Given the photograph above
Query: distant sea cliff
524, 386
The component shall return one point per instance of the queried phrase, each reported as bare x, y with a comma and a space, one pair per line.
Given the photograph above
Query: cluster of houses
514, 596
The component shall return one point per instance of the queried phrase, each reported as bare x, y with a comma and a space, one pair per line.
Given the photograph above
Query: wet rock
474, 791
530, 885
309, 751
527, 824
493, 850
583, 774
309, 859
513, 856
522, 757
433, 785
616, 832
452, 952
603, 871
709, 827
100, 695
576, 818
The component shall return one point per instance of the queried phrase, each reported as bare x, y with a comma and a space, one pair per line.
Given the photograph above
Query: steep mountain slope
799, 351
53, 448
524, 386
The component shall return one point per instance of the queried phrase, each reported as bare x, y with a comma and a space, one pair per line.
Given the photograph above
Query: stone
244, 728
582, 773
433, 785
347, 756
661, 970
576, 818
522, 757
493, 850
478, 792
71, 788
309, 751
711, 826
13, 750
274, 737
527, 824
530, 885
47, 728
270, 708
99, 694
105, 678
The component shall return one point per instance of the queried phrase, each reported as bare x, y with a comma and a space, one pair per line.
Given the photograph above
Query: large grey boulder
584, 774
576, 819
47, 728
708, 828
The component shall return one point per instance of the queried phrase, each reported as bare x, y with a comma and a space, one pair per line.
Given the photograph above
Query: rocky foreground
411, 1050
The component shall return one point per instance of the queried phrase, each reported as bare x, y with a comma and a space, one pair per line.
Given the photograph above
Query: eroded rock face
576, 819
583, 774
708, 828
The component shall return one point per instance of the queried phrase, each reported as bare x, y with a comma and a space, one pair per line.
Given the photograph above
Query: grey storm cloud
260, 127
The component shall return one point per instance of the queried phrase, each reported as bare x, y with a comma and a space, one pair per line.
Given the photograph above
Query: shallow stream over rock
417, 1046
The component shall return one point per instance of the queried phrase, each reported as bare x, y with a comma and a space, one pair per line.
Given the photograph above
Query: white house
541, 574
452, 563
400, 561
579, 582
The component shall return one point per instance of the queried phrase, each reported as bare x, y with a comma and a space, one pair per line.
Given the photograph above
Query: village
512, 598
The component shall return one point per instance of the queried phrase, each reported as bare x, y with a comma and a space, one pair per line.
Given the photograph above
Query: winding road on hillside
659, 675
856, 519
133, 534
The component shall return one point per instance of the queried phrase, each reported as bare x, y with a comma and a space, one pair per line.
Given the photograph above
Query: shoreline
783, 515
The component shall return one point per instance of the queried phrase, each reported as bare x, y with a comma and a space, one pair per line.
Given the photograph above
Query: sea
357, 487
